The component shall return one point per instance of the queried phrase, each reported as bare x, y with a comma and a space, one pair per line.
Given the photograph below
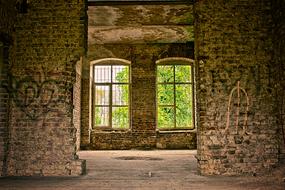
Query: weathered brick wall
4, 105
176, 140
7, 14
48, 41
3, 110
85, 83
124, 140
234, 47
139, 34
85, 109
279, 68
77, 102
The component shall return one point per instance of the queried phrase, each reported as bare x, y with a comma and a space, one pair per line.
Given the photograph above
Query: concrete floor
153, 170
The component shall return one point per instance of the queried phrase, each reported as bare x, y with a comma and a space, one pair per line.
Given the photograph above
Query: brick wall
77, 102
279, 71
48, 41
4, 103
234, 56
85, 109
3, 117
7, 14
124, 140
4, 106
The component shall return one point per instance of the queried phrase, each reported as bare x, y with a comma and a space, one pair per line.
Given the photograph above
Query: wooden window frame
110, 62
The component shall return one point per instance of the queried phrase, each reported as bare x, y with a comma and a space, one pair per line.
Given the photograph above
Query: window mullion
129, 95
93, 104
111, 98
192, 94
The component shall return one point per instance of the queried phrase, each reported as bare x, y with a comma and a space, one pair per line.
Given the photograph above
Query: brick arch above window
175, 60
110, 61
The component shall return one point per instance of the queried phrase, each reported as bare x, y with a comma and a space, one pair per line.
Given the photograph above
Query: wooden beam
138, 2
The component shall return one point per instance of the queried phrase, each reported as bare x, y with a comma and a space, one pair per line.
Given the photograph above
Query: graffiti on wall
237, 102
36, 98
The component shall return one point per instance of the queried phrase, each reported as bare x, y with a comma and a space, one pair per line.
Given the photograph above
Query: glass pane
120, 117
102, 95
120, 94
120, 73
165, 117
165, 94
182, 73
165, 73
101, 118
102, 74
184, 106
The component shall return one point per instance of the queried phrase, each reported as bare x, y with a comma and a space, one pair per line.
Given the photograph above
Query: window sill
110, 130
176, 131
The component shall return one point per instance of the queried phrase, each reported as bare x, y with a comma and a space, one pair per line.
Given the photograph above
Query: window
175, 93
111, 83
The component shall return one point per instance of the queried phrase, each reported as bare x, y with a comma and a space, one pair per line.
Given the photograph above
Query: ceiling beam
137, 2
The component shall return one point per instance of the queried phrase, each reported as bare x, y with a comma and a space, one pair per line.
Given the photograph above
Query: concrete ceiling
140, 24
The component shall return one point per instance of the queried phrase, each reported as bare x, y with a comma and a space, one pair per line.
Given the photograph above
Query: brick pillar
85, 107
143, 98
237, 124
48, 41
4, 106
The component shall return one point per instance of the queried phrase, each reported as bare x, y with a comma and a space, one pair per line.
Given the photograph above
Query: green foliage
165, 117
123, 76
98, 119
120, 115
183, 106
165, 73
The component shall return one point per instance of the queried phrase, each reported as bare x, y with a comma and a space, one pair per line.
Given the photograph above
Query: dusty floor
145, 170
